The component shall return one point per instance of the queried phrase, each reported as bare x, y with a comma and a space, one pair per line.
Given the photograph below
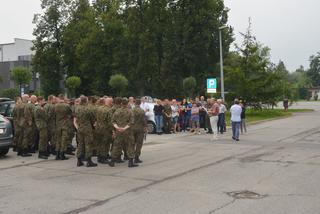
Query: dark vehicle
4, 99
6, 109
6, 135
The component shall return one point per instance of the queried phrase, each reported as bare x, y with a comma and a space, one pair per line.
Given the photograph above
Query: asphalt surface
273, 169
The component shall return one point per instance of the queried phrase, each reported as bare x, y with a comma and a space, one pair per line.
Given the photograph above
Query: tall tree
249, 72
48, 44
314, 71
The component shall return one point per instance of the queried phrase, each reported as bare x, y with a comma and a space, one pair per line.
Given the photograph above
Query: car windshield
2, 119
3, 108
10, 110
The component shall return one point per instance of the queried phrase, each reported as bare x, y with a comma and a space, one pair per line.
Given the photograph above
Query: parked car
6, 135
4, 99
6, 109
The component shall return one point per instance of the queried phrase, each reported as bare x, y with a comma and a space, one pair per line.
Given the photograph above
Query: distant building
315, 93
13, 55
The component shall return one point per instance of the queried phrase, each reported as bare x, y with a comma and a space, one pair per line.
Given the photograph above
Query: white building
13, 55
19, 50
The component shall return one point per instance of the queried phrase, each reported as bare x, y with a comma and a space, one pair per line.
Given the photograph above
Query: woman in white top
175, 115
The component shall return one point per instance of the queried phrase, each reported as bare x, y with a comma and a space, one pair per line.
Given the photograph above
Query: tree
21, 75
48, 44
10, 93
119, 83
73, 83
189, 86
249, 73
314, 71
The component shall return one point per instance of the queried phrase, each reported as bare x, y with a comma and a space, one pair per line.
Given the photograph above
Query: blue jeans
159, 122
221, 123
186, 122
236, 129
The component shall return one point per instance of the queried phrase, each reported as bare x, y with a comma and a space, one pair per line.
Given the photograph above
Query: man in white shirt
221, 121
144, 105
236, 119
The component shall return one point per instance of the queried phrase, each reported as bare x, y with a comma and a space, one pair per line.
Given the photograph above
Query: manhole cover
245, 195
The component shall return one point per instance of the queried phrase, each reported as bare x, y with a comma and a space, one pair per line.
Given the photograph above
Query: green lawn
266, 114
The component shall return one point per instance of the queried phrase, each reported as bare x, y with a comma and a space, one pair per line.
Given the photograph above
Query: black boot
42, 155
90, 163
58, 155
131, 164
111, 162
102, 160
80, 163
119, 160
25, 153
19, 153
137, 160
63, 157
46, 153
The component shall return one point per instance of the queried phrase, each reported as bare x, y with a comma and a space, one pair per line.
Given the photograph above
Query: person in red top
213, 112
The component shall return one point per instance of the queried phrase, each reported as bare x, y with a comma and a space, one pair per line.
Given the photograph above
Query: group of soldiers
105, 127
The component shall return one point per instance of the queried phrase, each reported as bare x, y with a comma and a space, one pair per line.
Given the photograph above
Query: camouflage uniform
85, 120
138, 128
51, 120
71, 128
94, 144
167, 120
18, 122
123, 117
103, 131
63, 115
29, 128
41, 124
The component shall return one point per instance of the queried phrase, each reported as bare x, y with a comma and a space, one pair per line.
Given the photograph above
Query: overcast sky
291, 28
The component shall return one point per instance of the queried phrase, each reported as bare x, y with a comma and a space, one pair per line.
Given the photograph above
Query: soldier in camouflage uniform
63, 114
71, 128
139, 129
116, 105
51, 120
28, 127
84, 122
41, 124
92, 103
33, 144
101, 132
18, 122
167, 113
18, 102
122, 120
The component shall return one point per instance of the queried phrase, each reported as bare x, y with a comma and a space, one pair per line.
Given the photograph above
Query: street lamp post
221, 62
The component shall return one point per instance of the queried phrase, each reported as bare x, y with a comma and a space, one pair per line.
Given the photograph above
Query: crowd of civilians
194, 115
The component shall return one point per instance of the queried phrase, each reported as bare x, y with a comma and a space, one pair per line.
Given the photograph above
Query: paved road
273, 169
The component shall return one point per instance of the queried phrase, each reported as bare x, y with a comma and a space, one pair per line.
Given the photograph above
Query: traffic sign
211, 85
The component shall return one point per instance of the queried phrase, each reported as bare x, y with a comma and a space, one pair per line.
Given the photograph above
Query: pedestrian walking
235, 111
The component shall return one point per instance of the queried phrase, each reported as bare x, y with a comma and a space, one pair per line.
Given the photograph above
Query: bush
10, 93
72, 84
119, 83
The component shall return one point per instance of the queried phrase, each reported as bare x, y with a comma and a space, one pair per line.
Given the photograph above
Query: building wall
6, 67
20, 48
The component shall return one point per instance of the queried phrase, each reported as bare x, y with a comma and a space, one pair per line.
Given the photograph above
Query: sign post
211, 85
